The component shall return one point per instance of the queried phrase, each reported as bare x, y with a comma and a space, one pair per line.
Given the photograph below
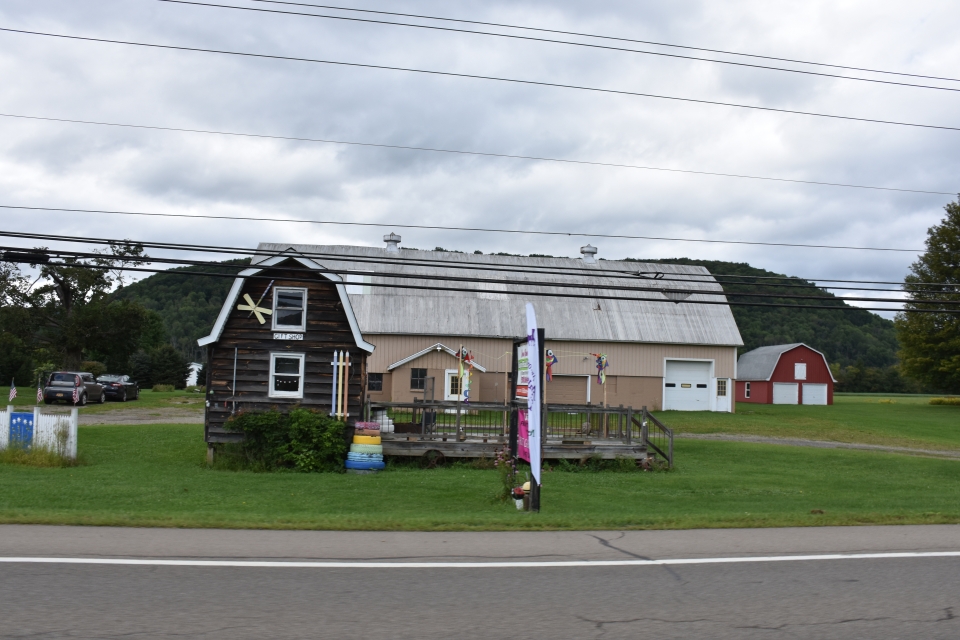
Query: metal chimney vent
588, 254
392, 241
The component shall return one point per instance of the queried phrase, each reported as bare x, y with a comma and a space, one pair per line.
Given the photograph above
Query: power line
605, 37
591, 296
472, 153
451, 74
406, 261
563, 42
449, 228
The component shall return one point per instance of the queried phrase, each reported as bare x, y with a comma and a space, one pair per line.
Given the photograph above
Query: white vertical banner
533, 392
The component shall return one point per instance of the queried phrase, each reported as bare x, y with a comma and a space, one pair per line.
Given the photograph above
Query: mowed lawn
899, 421
26, 400
154, 475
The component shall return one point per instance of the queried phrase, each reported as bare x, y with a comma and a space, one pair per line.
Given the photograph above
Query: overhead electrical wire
406, 261
605, 37
470, 153
451, 74
391, 225
562, 42
597, 295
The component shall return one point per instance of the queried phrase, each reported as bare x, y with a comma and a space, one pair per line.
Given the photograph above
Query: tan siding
566, 390
491, 353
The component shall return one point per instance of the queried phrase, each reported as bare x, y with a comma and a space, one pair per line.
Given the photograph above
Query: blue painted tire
364, 457
355, 464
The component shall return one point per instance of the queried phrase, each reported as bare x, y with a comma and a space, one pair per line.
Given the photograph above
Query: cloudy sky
81, 166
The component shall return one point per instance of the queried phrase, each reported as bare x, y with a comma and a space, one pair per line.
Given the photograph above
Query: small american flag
76, 391
13, 390
39, 392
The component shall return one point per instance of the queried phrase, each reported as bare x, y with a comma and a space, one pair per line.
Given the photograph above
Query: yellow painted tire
366, 439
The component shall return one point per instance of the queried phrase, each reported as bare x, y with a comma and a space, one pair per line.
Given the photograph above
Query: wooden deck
399, 444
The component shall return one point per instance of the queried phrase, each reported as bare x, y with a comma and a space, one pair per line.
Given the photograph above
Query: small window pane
454, 385
289, 308
286, 383
417, 378
287, 365
721, 388
375, 382
289, 317
671, 384
289, 300
701, 386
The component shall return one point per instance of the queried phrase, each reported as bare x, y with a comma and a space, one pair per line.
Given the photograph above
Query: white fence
54, 431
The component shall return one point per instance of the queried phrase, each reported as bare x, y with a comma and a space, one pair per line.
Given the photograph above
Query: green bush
954, 402
300, 440
163, 388
93, 367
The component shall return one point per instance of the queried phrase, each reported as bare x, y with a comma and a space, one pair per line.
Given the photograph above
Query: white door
687, 386
451, 385
786, 393
814, 393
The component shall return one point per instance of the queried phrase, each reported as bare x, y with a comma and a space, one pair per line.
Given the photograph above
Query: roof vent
392, 241
588, 254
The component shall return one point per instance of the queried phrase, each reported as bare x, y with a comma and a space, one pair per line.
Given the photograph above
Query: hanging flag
533, 392
551, 360
13, 390
39, 390
76, 390
602, 365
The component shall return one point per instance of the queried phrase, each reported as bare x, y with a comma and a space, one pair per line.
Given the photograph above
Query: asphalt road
839, 597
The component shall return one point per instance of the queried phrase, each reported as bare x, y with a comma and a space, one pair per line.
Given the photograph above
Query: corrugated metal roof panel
760, 363
494, 310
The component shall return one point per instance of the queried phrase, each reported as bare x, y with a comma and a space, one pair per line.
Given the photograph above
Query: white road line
475, 565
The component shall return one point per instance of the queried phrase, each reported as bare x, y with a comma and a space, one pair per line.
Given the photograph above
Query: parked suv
119, 387
61, 385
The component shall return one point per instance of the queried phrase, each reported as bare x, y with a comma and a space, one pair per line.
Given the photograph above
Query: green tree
930, 342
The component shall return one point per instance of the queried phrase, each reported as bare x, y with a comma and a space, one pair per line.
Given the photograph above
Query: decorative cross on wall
254, 308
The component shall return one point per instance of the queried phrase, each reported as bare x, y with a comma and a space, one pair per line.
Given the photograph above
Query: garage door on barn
687, 385
786, 393
814, 393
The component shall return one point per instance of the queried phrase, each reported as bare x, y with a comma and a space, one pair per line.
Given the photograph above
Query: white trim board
436, 347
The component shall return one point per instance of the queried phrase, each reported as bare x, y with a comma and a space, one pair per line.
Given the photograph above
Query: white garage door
687, 386
814, 394
786, 393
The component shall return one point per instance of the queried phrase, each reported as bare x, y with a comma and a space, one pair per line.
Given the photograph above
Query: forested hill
845, 337
188, 303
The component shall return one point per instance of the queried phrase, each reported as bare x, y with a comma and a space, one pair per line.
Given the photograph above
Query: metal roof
494, 310
760, 363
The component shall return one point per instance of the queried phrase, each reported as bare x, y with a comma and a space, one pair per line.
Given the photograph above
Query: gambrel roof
760, 363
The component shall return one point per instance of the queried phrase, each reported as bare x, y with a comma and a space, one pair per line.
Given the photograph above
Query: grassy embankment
154, 475
897, 421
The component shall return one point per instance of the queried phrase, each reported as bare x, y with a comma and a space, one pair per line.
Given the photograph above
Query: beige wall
625, 359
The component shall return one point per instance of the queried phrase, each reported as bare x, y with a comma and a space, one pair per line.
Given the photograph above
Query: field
897, 421
27, 398
154, 475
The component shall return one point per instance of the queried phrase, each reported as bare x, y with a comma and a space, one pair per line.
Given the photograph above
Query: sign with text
523, 377
288, 336
534, 393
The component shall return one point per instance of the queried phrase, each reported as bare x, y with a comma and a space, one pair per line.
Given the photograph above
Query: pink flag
523, 439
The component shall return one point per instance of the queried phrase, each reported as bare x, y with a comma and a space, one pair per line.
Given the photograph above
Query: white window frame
799, 370
302, 327
721, 386
448, 375
302, 357
746, 389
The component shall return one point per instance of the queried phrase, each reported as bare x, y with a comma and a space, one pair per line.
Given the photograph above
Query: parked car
119, 387
61, 385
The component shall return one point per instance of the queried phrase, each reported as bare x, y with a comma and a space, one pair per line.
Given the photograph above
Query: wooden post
605, 430
459, 390
629, 425
210, 452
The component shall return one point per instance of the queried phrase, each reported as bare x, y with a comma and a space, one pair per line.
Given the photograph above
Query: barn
420, 309
784, 374
286, 336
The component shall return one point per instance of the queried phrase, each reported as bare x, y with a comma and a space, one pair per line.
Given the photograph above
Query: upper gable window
289, 309
800, 371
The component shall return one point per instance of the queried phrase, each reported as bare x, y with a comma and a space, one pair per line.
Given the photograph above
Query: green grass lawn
901, 421
154, 475
27, 399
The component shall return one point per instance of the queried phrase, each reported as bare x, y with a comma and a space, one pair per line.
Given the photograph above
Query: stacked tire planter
366, 452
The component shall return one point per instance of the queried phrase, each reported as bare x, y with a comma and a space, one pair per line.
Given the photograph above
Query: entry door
451, 385
814, 393
786, 393
687, 386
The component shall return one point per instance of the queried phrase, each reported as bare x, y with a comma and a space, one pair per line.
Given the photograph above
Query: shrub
953, 401
93, 367
300, 440
163, 388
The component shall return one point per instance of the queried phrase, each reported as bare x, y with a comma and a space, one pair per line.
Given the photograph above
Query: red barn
784, 374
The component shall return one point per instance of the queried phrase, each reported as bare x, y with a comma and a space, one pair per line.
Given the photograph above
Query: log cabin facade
274, 345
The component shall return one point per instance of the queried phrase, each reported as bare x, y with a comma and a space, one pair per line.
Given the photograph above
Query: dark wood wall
327, 330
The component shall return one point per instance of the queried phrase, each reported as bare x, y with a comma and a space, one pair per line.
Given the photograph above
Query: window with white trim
746, 389
289, 309
286, 375
800, 371
721, 387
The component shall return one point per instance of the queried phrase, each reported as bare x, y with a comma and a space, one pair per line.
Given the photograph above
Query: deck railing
491, 422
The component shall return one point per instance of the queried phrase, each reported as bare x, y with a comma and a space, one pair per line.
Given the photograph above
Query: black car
73, 387
119, 387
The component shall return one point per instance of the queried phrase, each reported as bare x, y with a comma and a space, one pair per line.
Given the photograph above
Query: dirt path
823, 444
145, 415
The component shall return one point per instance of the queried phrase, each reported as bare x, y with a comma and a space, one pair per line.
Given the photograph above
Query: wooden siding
625, 358
327, 330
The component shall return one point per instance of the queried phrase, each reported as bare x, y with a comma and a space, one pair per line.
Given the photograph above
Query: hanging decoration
602, 365
465, 365
550, 361
254, 308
